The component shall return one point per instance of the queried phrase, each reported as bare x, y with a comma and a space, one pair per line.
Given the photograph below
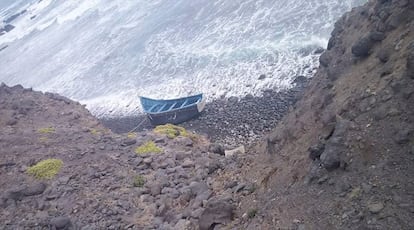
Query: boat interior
162, 106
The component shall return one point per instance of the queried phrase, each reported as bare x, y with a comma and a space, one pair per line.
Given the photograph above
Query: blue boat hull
173, 111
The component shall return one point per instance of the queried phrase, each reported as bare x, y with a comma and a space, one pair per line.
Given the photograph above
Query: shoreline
229, 121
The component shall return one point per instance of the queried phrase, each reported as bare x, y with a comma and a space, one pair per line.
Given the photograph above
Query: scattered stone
60, 222
155, 189
198, 188
233, 152
183, 224
179, 156
187, 163
376, 207
129, 142
148, 160
403, 136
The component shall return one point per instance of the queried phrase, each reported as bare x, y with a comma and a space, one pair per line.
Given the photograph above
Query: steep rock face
347, 147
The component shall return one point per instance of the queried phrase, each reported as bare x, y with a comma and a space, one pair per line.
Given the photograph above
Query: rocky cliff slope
61, 169
343, 157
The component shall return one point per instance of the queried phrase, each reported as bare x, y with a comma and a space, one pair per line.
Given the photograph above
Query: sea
107, 53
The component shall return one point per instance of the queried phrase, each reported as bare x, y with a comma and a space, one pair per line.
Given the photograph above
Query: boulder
377, 36
216, 148
35, 189
384, 55
155, 189
335, 147
318, 50
331, 156
218, 211
325, 59
315, 151
198, 188
362, 47
21, 192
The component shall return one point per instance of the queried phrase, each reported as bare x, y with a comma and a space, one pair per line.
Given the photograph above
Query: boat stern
201, 105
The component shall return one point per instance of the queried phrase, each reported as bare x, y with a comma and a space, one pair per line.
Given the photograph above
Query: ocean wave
105, 54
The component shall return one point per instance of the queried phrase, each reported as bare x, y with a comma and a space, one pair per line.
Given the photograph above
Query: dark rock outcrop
218, 211
364, 90
362, 47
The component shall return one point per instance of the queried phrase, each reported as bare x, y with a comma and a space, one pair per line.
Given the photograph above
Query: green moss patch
252, 213
172, 131
149, 147
45, 169
139, 181
46, 130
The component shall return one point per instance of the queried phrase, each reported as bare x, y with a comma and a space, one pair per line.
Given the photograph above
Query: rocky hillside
61, 169
343, 157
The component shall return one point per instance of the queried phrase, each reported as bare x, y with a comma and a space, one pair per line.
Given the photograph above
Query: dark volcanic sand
229, 121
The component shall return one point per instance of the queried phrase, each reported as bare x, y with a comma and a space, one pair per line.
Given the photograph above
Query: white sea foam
106, 53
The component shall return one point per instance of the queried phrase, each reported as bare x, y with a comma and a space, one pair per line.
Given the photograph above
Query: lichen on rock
46, 130
148, 147
139, 181
45, 169
172, 131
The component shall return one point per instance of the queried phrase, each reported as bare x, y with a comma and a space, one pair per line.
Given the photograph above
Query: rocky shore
231, 121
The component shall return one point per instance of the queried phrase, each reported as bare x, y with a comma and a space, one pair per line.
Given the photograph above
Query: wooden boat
172, 111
